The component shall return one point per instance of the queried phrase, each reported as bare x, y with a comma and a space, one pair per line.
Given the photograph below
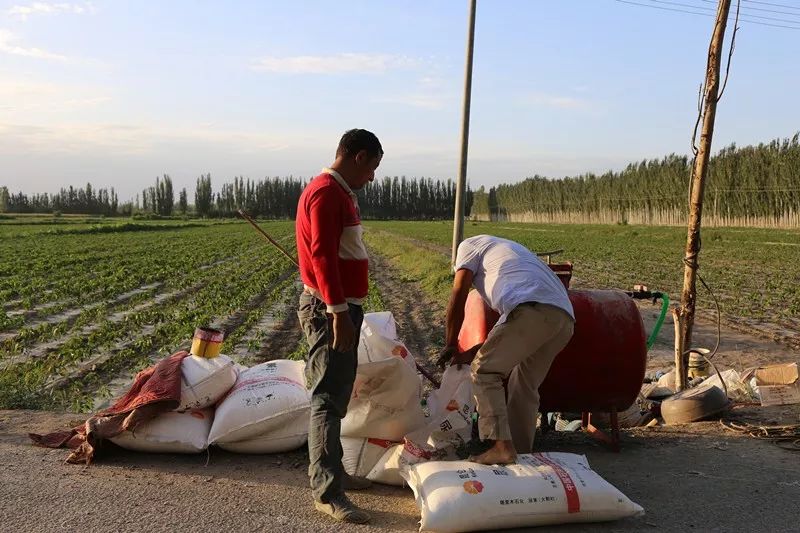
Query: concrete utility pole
458, 216
686, 312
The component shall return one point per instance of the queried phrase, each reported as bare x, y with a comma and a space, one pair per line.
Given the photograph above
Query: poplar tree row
85, 200
749, 183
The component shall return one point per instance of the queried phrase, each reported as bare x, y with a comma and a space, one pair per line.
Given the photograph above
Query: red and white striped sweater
333, 258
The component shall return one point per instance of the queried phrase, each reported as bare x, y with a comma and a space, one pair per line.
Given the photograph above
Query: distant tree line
267, 198
276, 198
85, 200
397, 198
751, 185
410, 199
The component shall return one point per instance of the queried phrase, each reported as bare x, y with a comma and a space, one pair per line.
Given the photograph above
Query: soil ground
697, 477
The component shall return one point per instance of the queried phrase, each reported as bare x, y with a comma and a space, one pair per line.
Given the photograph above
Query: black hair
355, 140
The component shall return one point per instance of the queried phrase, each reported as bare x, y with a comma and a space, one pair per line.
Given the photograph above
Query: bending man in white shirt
536, 323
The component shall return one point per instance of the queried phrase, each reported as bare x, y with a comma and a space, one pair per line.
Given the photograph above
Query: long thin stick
430, 377
270, 239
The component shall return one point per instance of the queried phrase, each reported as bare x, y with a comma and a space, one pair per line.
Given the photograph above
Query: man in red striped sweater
333, 266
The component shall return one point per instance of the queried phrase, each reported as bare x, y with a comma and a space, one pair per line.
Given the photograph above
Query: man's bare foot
502, 453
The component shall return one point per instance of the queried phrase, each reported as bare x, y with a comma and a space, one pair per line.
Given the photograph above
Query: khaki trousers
523, 347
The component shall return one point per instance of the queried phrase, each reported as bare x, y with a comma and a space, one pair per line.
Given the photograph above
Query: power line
761, 9
651, 6
693, 6
731, 17
771, 4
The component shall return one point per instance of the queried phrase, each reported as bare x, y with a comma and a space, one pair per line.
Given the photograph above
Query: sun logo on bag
400, 351
452, 406
473, 487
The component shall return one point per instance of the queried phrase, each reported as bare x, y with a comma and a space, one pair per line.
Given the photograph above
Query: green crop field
87, 302
84, 303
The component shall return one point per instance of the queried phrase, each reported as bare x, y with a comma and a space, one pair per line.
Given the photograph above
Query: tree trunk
699, 172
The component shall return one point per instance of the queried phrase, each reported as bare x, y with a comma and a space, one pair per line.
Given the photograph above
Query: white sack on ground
541, 489
359, 455
171, 432
282, 440
375, 459
387, 469
385, 403
205, 381
379, 340
267, 398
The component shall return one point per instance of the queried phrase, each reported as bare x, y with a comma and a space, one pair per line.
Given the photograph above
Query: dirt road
696, 478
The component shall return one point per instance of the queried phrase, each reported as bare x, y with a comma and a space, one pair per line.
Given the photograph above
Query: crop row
68, 270
181, 276
47, 336
115, 346
89, 357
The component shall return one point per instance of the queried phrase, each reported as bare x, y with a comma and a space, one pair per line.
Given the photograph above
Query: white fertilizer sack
205, 381
540, 489
385, 403
284, 440
267, 398
360, 455
378, 340
171, 432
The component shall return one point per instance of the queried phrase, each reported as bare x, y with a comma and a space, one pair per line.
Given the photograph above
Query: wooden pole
699, 173
458, 215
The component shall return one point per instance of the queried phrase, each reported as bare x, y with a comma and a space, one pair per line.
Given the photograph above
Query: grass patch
415, 265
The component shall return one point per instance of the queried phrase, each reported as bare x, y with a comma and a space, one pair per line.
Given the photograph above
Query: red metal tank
602, 367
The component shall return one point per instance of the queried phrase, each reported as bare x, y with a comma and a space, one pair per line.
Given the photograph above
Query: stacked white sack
173, 432
205, 381
379, 340
185, 430
541, 489
266, 411
448, 429
385, 403
359, 455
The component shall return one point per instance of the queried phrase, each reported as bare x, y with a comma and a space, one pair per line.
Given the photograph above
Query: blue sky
118, 92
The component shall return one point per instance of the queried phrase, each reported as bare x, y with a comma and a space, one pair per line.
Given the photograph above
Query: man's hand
344, 332
465, 358
445, 354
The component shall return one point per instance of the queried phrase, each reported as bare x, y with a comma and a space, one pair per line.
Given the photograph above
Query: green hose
660, 322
